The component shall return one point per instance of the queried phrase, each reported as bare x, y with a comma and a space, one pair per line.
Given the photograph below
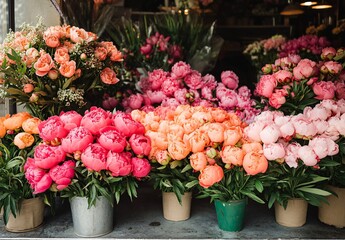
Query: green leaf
186, 168
315, 191
259, 186
192, 184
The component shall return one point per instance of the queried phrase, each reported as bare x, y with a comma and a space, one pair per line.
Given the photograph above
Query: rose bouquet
296, 147
58, 68
292, 83
18, 137
183, 85
264, 51
98, 154
203, 142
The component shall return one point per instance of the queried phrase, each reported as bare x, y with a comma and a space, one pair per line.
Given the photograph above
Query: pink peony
331, 67
277, 98
324, 90
180, 70
303, 126
77, 140
111, 139
135, 101
47, 156
340, 90
307, 155
94, 157
71, 119
141, 167
194, 80
126, 125
270, 134
229, 79
95, 119
328, 53
324, 147
291, 154
283, 76
119, 164
140, 144
305, 69
62, 174
156, 78
51, 129
170, 85
266, 86
274, 151
157, 96
253, 131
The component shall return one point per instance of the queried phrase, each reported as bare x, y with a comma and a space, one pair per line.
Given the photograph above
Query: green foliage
13, 184
176, 176
288, 182
92, 184
236, 185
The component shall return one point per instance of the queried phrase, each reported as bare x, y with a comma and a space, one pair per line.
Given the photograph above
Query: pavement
143, 219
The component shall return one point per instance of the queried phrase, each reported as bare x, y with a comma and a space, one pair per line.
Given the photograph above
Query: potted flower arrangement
22, 208
184, 85
58, 68
92, 160
190, 141
291, 83
296, 147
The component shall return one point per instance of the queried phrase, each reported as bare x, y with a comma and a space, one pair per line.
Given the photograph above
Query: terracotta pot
334, 212
173, 210
295, 214
28, 218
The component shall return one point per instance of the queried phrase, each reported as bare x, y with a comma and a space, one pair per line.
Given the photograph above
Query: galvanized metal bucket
93, 222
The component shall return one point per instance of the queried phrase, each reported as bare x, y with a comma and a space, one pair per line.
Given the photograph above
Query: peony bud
83, 56
53, 74
34, 98
28, 88
267, 69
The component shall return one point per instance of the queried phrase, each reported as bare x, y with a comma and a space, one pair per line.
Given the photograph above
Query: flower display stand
295, 214
334, 212
29, 217
173, 210
94, 221
230, 215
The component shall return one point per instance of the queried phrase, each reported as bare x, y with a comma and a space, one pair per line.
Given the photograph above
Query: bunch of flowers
18, 137
203, 142
307, 46
98, 154
292, 83
316, 30
298, 145
183, 85
264, 51
58, 68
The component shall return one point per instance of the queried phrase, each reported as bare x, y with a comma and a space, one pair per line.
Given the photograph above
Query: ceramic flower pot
230, 215
173, 210
29, 217
334, 212
94, 221
295, 214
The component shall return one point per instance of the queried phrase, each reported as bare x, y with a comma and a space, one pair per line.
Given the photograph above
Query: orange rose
78, 35
23, 140
52, 39
254, 163
215, 132
198, 161
108, 76
232, 135
16, 120
116, 56
101, 53
30, 125
178, 150
67, 69
252, 147
210, 175
61, 55
232, 155
43, 64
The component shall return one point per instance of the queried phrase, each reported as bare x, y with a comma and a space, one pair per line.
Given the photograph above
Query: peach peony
254, 163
